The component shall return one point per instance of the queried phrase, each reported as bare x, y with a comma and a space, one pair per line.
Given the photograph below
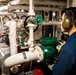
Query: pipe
31, 39
12, 36
14, 2
31, 8
6, 7
74, 3
51, 23
21, 58
30, 25
25, 56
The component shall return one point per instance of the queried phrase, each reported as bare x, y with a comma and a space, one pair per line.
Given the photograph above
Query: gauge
15, 16
5, 19
23, 17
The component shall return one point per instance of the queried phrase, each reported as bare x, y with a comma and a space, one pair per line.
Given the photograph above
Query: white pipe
31, 8
14, 2
21, 58
31, 13
6, 7
31, 39
12, 36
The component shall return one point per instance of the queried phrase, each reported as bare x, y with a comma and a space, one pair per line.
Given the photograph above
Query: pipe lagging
21, 58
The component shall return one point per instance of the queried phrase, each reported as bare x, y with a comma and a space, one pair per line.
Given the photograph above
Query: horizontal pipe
21, 58
35, 8
51, 23
40, 2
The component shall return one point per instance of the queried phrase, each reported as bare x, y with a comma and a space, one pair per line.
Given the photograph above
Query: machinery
11, 60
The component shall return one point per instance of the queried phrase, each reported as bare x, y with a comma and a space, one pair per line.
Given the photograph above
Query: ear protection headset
68, 21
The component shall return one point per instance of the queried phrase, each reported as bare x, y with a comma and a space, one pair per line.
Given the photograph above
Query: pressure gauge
15, 16
23, 17
5, 19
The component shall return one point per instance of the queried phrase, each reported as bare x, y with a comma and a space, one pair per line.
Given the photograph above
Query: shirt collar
71, 36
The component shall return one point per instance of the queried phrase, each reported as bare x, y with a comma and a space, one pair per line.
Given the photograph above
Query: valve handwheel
37, 21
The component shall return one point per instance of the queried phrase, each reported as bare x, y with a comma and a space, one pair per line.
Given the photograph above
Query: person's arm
64, 64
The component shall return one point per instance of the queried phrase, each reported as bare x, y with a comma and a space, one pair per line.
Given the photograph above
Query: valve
48, 46
36, 20
48, 51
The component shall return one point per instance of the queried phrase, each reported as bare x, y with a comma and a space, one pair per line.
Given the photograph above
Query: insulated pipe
19, 58
68, 3
12, 36
14, 2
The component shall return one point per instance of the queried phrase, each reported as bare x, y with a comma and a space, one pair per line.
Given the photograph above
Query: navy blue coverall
66, 62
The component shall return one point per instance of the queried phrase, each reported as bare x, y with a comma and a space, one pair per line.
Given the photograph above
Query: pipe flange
41, 57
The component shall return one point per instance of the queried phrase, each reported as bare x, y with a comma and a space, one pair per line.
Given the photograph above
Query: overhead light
17, 10
54, 13
22, 10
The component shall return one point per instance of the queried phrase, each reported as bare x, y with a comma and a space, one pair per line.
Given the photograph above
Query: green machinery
48, 46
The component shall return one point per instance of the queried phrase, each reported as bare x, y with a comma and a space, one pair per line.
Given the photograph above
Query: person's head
68, 19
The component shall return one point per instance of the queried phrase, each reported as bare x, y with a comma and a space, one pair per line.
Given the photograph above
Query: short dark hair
70, 12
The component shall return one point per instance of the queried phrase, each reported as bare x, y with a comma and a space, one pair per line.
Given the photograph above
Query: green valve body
38, 20
21, 40
48, 52
48, 41
48, 46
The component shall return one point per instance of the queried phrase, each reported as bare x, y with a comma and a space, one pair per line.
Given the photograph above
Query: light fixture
17, 10
22, 10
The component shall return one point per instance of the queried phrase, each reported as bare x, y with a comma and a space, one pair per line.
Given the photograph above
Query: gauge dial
5, 19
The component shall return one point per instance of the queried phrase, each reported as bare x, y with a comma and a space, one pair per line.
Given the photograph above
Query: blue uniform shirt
67, 57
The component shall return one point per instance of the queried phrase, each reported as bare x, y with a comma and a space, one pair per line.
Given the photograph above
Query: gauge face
5, 19
23, 17
15, 16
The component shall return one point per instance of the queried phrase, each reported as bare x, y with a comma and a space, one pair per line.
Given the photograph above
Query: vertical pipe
74, 3
68, 2
31, 13
2, 28
53, 30
31, 8
31, 39
12, 36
